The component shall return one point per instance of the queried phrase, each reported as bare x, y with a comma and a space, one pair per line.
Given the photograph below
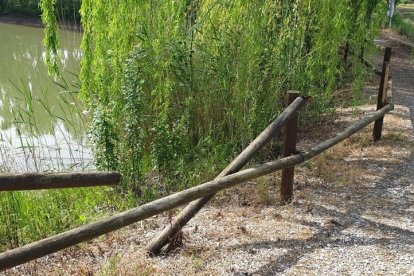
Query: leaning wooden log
373, 68
53, 244
155, 246
354, 128
37, 181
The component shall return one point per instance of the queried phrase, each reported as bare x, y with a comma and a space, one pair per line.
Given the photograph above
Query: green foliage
176, 86
397, 2
51, 35
67, 11
24, 8
403, 26
33, 215
28, 216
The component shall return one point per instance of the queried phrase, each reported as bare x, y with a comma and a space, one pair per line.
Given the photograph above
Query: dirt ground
33, 22
25, 21
353, 211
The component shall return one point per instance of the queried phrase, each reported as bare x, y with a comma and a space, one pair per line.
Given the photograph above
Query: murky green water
40, 122
22, 70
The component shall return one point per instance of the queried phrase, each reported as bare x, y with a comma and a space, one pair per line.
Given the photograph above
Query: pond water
41, 122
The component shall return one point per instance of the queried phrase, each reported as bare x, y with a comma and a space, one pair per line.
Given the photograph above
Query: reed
404, 26
30, 145
171, 84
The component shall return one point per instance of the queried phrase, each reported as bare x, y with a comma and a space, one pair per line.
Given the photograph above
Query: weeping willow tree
177, 87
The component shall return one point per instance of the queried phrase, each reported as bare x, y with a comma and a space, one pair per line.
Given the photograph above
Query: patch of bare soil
22, 20
353, 213
35, 22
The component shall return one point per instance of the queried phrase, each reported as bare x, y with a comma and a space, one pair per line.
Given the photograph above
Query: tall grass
60, 146
45, 137
177, 88
404, 26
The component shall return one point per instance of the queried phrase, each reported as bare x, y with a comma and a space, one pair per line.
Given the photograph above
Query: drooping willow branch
50, 40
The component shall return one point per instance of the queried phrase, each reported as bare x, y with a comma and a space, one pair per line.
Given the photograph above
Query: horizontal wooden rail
372, 67
37, 181
156, 244
354, 128
63, 240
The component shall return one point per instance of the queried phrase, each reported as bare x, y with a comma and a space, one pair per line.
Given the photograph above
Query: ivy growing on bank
177, 88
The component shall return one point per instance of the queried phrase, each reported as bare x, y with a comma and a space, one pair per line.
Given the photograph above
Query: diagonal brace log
192, 209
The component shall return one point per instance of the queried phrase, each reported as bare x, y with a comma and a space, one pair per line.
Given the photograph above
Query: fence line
228, 178
286, 190
72, 237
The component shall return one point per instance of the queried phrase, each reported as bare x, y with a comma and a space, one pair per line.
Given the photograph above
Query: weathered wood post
382, 93
289, 147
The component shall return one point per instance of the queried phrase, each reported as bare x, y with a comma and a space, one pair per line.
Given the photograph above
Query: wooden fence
199, 195
37, 181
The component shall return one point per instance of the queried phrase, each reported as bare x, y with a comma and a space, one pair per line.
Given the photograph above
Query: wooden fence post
167, 235
289, 147
382, 93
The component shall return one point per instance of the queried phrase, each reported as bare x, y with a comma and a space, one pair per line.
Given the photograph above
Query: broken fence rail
158, 242
72, 237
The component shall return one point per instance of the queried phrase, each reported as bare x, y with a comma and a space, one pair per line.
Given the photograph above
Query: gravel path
366, 225
403, 76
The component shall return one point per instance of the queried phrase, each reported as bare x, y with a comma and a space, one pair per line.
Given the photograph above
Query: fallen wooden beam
156, 244
63, 240
402, 41
37, 181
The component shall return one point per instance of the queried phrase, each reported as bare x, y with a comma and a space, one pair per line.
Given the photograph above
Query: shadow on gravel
402, 71
390, 189
323, 239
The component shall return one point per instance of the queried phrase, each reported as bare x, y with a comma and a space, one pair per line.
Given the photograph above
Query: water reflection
49, 152
38, 119
22, 69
